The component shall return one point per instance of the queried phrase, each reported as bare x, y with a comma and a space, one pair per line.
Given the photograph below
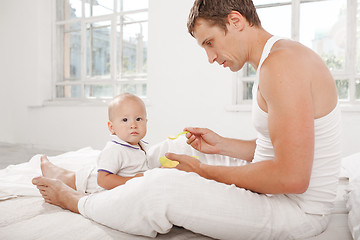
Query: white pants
165, 197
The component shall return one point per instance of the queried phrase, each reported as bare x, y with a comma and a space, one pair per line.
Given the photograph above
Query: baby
124, 157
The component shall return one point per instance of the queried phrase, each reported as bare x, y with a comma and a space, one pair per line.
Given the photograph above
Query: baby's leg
57, 186
50, 170
56, 192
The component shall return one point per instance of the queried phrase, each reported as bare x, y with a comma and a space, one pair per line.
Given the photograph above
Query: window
100, 48
329, 27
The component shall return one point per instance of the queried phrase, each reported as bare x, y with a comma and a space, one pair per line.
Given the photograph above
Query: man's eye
209, 43
124, 120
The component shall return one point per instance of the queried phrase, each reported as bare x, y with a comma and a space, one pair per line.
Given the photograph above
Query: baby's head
127, 118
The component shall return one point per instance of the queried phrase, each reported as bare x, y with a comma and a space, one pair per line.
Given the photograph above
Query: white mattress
28, 217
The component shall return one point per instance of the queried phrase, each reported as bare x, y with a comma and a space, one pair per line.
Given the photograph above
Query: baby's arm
109, 181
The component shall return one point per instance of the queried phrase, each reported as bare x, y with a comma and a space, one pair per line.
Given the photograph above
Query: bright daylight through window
100, 48
329, 27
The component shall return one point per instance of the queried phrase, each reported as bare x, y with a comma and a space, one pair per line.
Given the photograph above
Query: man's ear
236, 20
111, 128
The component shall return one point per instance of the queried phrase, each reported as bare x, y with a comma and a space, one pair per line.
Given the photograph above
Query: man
287, 190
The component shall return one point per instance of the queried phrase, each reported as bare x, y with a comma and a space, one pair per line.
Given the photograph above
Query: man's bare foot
56, 192
50, 170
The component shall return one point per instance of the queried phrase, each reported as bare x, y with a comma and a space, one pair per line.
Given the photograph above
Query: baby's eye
138, 119
124, 120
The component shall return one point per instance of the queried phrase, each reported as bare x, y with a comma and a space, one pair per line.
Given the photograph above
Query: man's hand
204, 140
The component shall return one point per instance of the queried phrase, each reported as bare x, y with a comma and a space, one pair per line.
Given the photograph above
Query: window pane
128, 5
68, 91
68, 9
133, 45
143, 90
98, 91
343, 89
129, 48
98, 7
357, 87
138, 89
135, 17
69, 43
126, 87
323, 29
98, 49
247, 90
279, 25
249, 71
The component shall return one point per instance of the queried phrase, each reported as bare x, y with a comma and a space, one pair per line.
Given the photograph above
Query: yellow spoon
175, 137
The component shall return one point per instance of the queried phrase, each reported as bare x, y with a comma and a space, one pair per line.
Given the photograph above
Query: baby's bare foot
56, 192
50, 170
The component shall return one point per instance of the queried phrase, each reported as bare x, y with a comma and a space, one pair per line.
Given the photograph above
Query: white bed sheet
24, 215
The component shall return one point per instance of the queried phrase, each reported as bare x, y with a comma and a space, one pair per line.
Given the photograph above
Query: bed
24, 214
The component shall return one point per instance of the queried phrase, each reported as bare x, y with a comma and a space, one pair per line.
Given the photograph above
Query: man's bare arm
207, 141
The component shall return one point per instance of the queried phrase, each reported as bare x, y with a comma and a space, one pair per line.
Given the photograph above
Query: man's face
220, 46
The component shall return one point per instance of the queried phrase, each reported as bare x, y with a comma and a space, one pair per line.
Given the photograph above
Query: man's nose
211, 56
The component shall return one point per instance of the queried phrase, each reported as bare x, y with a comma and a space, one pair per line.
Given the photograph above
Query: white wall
184, 89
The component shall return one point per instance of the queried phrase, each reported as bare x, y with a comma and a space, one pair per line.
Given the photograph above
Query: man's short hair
216, 12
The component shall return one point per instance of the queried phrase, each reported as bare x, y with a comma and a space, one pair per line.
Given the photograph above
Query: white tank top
319, 197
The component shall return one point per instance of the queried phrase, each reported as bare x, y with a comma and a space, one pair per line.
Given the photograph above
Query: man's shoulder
286, 71
287, 51
287, 57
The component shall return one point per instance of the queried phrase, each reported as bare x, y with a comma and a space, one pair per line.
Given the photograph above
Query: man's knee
161, 177
168, 185
162, 182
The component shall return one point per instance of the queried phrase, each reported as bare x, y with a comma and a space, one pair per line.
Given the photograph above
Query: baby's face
129, 122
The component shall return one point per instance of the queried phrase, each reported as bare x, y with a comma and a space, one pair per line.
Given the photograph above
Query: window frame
349, 72
115, 77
